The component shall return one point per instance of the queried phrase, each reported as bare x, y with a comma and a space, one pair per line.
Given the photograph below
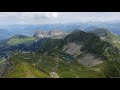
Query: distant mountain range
4, 34
29, 30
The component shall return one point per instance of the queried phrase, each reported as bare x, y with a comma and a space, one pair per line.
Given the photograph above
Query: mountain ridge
79, 54
56, 34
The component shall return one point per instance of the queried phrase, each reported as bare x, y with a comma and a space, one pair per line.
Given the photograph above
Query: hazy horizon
9, 18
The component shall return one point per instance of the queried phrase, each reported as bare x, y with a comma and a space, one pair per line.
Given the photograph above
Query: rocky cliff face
87, 48
5, 68
41, 34
54, 34
86, 59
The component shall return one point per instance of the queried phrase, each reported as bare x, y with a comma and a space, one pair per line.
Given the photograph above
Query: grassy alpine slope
108, 36
51, 61
25, 69
39, 66
27, 41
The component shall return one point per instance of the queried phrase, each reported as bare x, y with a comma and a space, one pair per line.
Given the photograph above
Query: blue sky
56, 17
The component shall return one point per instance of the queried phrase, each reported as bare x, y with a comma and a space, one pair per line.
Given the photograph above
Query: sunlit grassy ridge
107, 35
115, 39
27, 41
25, 70
110, 68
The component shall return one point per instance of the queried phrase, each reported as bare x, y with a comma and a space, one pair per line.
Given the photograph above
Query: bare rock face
55, 32
90, 60
87, 59
52, 33
41, 34
72, 49
54, 75
5, 68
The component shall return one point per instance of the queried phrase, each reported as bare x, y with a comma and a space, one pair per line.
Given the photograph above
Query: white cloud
94, 16
38, 15
49, 15
55, 17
